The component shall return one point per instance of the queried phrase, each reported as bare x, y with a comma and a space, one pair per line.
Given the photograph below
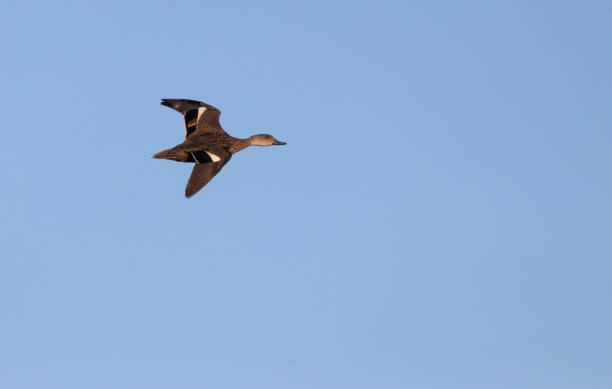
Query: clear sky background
440, 217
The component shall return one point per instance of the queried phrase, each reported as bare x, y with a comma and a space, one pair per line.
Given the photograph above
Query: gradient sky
440, 218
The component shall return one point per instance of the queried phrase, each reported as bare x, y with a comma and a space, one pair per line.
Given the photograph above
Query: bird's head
264, 140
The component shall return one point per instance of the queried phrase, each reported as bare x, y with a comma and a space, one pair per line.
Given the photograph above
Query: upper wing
198, 115
203, 172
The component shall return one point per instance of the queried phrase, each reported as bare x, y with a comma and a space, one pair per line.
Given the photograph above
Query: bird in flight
206, 143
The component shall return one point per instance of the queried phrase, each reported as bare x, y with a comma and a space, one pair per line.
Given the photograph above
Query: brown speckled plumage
206, 143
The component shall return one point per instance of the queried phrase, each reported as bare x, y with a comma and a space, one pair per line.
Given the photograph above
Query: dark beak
279, 143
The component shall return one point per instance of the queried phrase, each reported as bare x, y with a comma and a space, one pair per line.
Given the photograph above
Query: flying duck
206, 143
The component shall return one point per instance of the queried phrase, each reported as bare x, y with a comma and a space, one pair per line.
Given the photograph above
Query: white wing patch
212, 156
201, 110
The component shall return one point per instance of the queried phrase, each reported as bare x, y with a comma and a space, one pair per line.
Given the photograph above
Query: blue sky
440, 216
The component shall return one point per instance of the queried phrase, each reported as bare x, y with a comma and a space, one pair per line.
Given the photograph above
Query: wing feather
202, 173
198, 116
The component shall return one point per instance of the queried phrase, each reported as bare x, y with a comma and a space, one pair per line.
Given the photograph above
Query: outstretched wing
198, 115
208, 164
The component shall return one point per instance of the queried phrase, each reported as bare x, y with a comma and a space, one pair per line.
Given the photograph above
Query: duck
206, 144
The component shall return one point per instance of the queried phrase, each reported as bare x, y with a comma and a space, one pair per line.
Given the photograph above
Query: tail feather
172, 154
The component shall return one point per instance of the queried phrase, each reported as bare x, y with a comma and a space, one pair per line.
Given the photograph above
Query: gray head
264, 140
